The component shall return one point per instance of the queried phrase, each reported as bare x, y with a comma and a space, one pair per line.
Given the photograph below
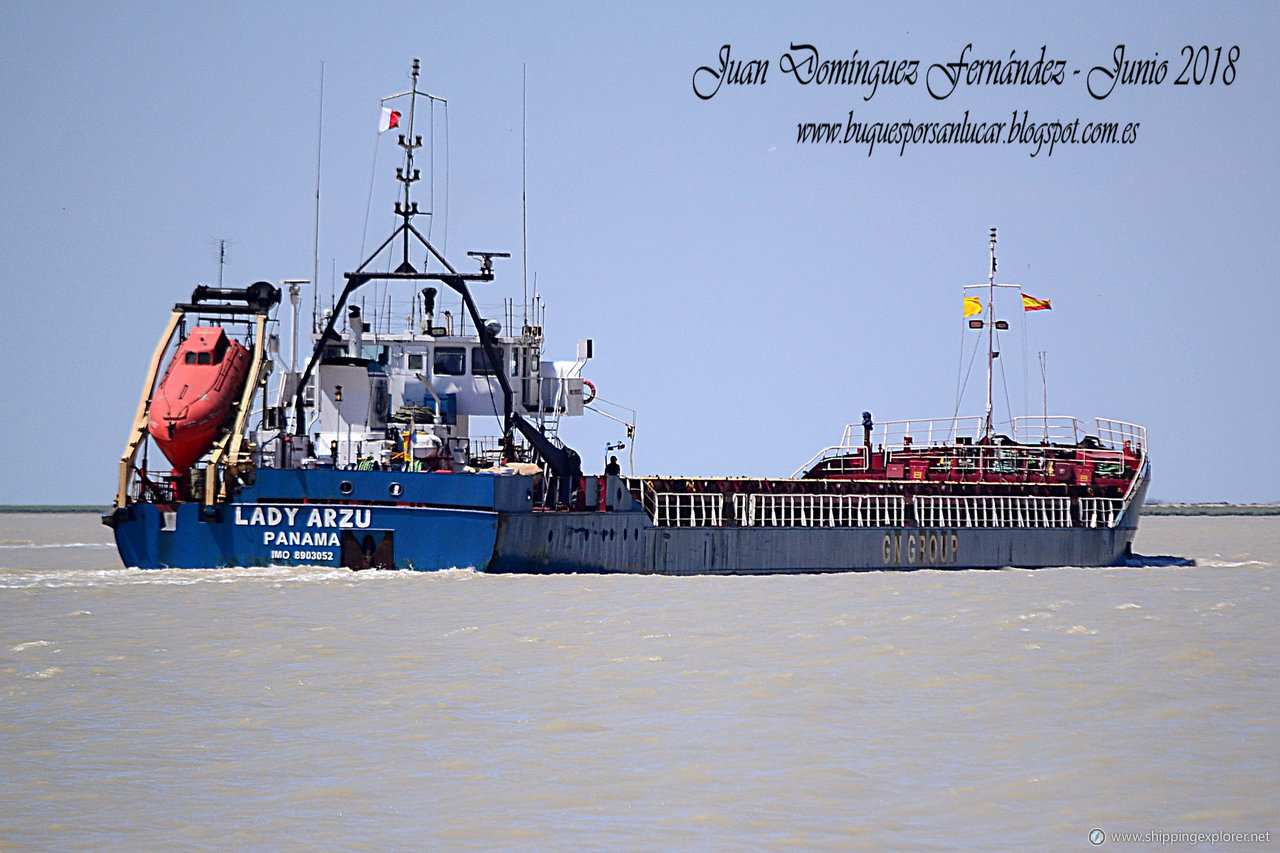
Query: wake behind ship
366, 457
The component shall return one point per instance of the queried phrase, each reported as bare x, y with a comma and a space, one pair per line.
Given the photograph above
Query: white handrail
851, 452
992, 511
818, 510
688, 509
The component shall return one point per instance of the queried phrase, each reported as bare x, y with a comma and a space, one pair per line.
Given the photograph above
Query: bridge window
415, 360
450, 361
375, 353
480, 365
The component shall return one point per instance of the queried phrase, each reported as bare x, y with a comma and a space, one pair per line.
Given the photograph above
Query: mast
315, 236
991, 333
524, 202
408, 175
563, 460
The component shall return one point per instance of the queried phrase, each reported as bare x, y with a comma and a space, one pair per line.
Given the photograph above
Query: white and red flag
390, 119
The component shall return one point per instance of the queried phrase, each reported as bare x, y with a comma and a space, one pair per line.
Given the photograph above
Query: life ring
590, 387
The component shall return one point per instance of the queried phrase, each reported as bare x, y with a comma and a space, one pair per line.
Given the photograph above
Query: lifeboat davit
195, 397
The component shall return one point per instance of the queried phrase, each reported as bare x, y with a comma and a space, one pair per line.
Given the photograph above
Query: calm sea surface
287, 709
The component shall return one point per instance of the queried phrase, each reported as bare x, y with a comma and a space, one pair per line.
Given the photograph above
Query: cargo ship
369, 457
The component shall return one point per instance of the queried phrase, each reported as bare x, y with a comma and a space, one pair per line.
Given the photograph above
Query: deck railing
809, 510
688, 509
847, 459
895, 435
1119, 433
1026, 429
706, 509
1101, 512
991, 511
1050, 429
962, 461
951, 444
1067, 430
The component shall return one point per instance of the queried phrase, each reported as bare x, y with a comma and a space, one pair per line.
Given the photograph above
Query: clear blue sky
747, 294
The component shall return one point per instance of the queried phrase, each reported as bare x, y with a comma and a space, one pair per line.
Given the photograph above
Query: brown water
293, 709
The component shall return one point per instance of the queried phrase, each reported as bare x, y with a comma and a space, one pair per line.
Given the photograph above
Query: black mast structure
564, 462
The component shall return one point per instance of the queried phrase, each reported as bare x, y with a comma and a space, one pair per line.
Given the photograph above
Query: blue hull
305, 534
357, 519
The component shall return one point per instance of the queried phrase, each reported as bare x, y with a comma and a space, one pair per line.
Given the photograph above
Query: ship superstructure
405, 398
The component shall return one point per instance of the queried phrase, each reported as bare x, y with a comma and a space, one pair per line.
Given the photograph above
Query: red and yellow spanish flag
972, 306
1030, 303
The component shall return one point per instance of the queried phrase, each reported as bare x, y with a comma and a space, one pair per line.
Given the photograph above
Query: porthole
395, 489
345, 487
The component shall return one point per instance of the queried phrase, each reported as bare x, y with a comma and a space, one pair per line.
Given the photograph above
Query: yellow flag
972, 306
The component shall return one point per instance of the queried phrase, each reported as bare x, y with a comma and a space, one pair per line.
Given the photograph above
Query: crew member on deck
613, 469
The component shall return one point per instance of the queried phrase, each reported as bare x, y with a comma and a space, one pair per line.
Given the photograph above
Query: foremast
992, 325
988, 428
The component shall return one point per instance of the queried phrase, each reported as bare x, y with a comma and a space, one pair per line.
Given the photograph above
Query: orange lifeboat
195, 397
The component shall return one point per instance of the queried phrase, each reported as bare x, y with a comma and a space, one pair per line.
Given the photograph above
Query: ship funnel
357, 331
